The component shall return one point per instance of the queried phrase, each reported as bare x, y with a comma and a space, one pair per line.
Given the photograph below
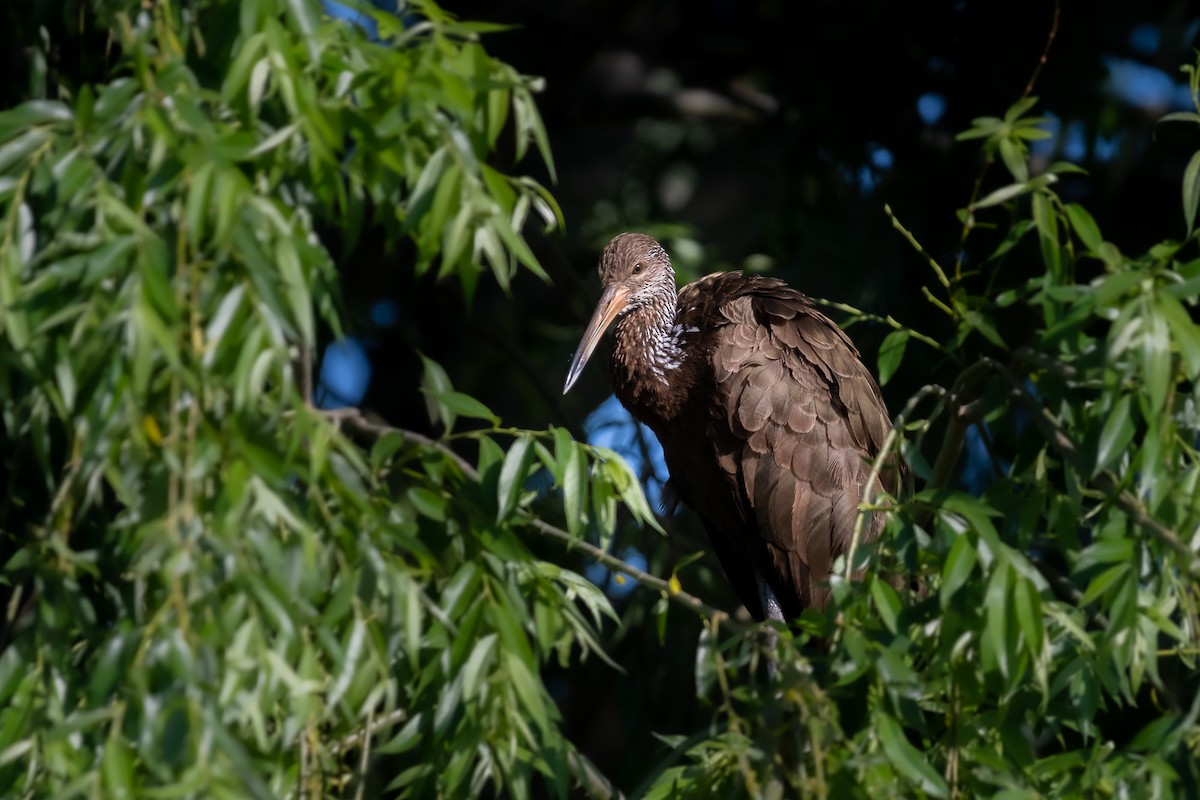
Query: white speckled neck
649, 342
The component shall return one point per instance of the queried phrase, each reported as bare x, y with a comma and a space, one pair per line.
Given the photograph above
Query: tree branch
362, 735
1037, 70
356, 420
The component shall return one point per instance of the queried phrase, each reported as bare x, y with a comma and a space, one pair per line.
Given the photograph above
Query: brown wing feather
795, 420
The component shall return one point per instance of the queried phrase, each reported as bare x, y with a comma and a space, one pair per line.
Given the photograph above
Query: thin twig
969, 217
877, 466
912, 240
889, 320
1037, 70
359, 737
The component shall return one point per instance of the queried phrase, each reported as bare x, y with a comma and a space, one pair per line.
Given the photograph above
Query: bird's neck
648, 357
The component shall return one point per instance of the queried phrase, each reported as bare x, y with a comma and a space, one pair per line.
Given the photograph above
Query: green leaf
1191, 191
906, 758
891, 353
574, 488
1004, 194
512, 476
1116, 434
473, 670
977, 320
980, 127
527, 689
1185, 332
464, 405
1047, 225
1155, 736
1100, 584
1020, 108
996, 631
1013, 154
33, 114
414, 616
1181, 116
435, 383
960, 562
1156, 359
706, 664
628, 486
1085, 226
118, 768
1109, 289
887, 602
1028, 607
296, 288
14, 152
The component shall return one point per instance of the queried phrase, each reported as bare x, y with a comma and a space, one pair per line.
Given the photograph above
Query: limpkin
768, 418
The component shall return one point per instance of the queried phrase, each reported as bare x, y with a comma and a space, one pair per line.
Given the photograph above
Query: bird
768, 419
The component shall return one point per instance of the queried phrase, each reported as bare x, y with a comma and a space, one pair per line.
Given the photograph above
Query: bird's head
635, 272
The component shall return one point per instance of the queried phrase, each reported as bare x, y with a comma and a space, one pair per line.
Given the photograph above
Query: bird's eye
637, 268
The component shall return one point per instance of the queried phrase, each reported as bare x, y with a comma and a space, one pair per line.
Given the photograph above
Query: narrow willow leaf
706, 664
1181, 116
214, 334
14, 152
466, 406
887, 603
574, 488
475, 669
998, 608
1085, 226
512, 476
1100, 584
1012, 153
906, 758
1156, 359
1028, 607
959, 564
118, 767
414, 615
296, 288
1191, 191
1116, 434
1186, 333
1003, 194
350, 661
628, 487
1020, 108
891, 353
33, 114
1047, 225
435, 383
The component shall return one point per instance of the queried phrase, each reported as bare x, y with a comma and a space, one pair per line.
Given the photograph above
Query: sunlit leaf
512, 476
891, 353
906, 758
1191, 191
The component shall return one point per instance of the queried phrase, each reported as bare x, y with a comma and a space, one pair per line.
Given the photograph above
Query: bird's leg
783, 736
766, 596
771, 611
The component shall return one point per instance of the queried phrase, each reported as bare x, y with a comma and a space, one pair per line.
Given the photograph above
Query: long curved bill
611, 304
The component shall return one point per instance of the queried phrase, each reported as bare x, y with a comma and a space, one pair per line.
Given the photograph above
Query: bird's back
774, 444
